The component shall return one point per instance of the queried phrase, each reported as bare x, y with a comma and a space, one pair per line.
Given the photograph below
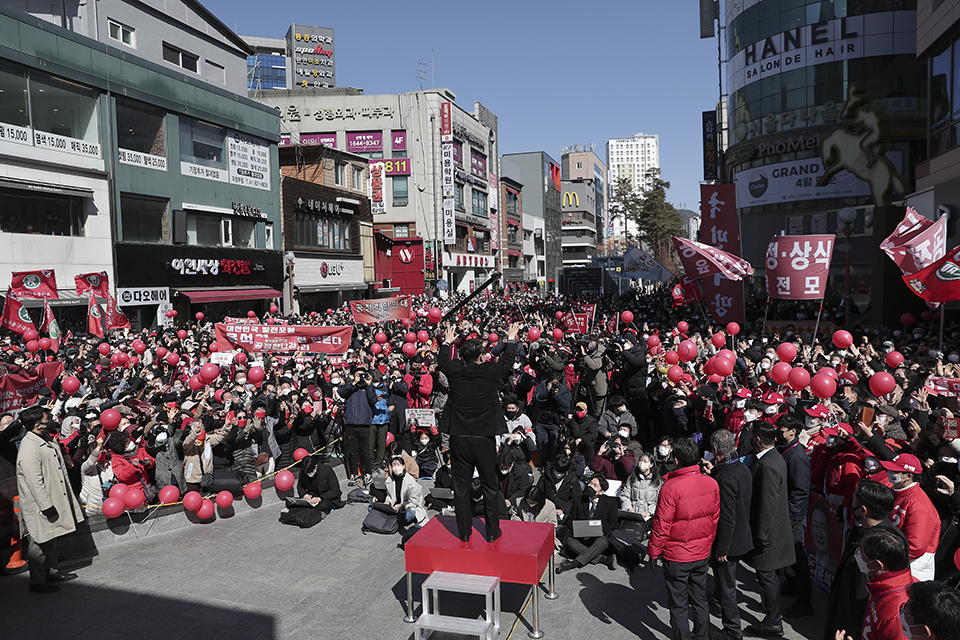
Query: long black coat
563, 496
773, 546
798, 479
734, 536
634, 372
473, 407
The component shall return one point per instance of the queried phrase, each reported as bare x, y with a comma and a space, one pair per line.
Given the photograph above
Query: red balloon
224, 499
209, 372
192, 501
169, 494
927, 316
256, 374
781, 372
31, 334
182, 334
110, 419
727, 354
206, 510
284, 480
733, 328
907, 319
390, 438
271, 321
251, 314
557, 334
627, 317
329, 311
435, 315
133, 361
253, 490
672, 357
173, 359
139, 346
70, 385
799, 378
708, 365
375, 349
687, 350
122, 358
274, 308
381, 337
405, 322
714, 378
114, 360
653, 341
175, 313
493, 338
823, 385
409, 349
882, 383
683, 327
169, 313
161, 352
214, 347
787, 351
240, 358
45, 343
313, 314
559, 315
423, 337
533, 334
134, 498
195, 383
723, 366
113, 507
118, 490
300, 454
104, 348
674, 373
830, 371
894, 359
199, 315
842, 339
851, 377
718, 340
410, 336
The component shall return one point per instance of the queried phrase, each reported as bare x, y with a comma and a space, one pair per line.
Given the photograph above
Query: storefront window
203, 230
63, 108
202, 143
244, 233
13, 106
140, 127
51, 215
399, 191
142, 219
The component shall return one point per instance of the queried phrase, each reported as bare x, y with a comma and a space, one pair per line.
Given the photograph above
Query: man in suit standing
798, 488
734, 538
684, 527
592, 505
473, 417
773, 547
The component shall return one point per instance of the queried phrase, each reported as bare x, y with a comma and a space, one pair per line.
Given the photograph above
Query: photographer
360, 398
551, 403
614, 461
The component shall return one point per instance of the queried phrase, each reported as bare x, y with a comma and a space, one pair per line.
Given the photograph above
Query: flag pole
816, 326
943, 317
766, 312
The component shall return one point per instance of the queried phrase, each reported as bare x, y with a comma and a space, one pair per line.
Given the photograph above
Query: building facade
540, 174
580, 162
579, 224
511, 259
112, 162
631, 158
304, 59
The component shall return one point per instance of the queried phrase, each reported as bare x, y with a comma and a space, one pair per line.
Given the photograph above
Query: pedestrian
798, 488
914, 514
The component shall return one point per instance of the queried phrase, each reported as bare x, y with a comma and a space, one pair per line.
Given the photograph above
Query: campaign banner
232, 320
34, 284
575, 322
822, 541
15, 316
639, 264
700, 260
938, 386
99, 283
589, 308
422, 419
720, 228
797, 266
917, 242
374, 311
18, 390
283, 338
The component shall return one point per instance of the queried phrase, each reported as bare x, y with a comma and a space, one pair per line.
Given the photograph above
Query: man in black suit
770, 524
734, 538
473, 416
870, 507
592, 505
798, 488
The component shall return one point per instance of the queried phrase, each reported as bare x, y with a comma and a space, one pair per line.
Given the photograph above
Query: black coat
566, 494
606, 512
473, 406
798, 479
585, 429
734, 537
634, 372
324, 485
515, 483
773, 546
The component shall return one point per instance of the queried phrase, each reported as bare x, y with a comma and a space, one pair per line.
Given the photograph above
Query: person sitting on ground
592, 505
534, 507
561, 486
405, 495
318, 484
642, 489
514, 480
426, 454
613, 460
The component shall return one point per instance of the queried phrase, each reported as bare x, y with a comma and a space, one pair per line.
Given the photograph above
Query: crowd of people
687, 470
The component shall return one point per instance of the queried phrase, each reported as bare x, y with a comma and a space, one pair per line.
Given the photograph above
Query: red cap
835, 431
903, 462
817, 411
743, 392
773, 398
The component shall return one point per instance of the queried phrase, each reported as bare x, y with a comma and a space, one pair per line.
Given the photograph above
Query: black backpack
380, 522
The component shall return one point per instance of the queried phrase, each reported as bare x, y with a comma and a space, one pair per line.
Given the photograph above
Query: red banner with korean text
917, 242
272, 338
575, 322
937, 386
99, 283
34, 284
719, 228
797, 267
116, 319
589, 308
15, 315
18, 390
374, 311
940, 281
686, 292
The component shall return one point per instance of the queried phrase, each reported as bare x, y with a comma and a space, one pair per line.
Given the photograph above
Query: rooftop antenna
433, 84
419, 73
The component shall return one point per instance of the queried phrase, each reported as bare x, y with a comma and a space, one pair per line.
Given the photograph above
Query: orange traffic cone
17, 564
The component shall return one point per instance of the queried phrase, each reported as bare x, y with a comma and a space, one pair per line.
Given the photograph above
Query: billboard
364, 141
311, 54
710, 147
720, 228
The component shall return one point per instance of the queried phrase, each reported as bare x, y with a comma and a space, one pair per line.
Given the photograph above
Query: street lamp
847, 215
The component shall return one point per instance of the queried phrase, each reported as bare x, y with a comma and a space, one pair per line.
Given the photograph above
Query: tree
657, 220
625, 204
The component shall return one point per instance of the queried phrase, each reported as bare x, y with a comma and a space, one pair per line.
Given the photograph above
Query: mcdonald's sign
571, 199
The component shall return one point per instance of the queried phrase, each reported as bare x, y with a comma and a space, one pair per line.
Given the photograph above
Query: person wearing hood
584, 431
561, 486
594, 378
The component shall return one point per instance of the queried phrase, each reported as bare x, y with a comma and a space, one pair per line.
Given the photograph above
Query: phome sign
789, 145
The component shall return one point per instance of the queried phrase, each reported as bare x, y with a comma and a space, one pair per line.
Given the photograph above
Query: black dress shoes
765, 630
566, 565
44, 587
495, 536
60, 576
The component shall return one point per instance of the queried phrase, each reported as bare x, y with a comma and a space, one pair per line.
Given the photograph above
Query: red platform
520, 555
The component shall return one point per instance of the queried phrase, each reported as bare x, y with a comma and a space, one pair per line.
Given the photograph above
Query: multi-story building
579, 223
632, 158
691, 223
119, 156
400, 135
581, 162
511, 259
540, 175
303, 59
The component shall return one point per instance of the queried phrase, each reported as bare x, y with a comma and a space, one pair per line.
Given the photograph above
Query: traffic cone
17, 564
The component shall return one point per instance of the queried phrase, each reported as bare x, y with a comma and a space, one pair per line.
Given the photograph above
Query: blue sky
554, 73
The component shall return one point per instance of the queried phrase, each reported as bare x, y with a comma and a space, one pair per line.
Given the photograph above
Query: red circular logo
406, 255
323, 269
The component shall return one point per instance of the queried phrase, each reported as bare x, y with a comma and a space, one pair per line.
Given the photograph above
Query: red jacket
887, 593
915, 515
734, 421
128, 473
685, 522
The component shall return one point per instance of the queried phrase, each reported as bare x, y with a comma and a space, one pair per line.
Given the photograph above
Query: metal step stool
487, 586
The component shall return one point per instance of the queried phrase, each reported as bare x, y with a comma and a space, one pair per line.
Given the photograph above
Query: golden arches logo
571, 199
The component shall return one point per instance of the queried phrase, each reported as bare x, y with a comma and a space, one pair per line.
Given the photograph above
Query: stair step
469, 626
461, 582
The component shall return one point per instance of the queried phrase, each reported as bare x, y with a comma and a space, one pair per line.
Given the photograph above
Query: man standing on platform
473, 417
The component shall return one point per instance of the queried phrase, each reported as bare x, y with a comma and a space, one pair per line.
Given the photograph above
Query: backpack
359, 495
380, 522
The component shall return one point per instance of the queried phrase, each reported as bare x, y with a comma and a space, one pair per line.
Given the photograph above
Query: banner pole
766, 312
943, 317
816, 326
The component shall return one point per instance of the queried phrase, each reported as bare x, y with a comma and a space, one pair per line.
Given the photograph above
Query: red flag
700, 260
917, 242
613, 324
798, 266
99, 283
115, 318
35, 284
686, 292
940, 282
94, 318
51, 326
514, 315
15, 315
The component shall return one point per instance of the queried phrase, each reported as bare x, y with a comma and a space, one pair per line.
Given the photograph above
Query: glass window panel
203, 230
940, 90
28, 212
63, 108
140, 127
202, 143
400, 191
13, 96
244, 233
141, 219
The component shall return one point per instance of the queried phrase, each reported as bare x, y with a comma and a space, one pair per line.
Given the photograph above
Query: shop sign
447, 169
248, 159
312, 52
139, 296
364, 141
145, 160
319, 206
213, 267
376, 188
323, 139
292, 113
247, 211
446, 122
395, 166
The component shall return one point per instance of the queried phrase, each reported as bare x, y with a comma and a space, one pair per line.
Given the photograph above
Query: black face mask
513, 414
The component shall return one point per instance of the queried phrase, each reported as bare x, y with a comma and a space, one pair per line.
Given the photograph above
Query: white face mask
750, 416
739, 404
645, 466
424, 442
771, 409
664, 451
625, 433
161, 437
948, 460
335, 382
861, 563
764, 365
896, 478
130, 446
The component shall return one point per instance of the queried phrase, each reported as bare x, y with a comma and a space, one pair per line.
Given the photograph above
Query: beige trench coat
42, 482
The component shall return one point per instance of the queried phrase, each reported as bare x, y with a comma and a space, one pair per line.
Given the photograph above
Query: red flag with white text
115, 318
797, 267
51, 326
94, 318
34, 284
15, 315
917, 242
700, 260
940, 282
97, 282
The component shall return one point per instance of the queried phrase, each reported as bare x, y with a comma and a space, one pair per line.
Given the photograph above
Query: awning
317, 288
44, 187
68, 297
513, 222
227, 295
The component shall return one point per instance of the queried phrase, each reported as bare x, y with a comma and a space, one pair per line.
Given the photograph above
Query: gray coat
43, 483
639, 494
770, 515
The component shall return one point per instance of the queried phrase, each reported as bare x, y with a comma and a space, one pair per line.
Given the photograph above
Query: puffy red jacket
915, 515
887, 593
685, 522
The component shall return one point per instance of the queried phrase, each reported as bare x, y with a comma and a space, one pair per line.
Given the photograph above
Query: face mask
764, 365
895, 478
425, 442
835, 364
948, 460
396, 471
581, 414
739, 404
953, 358
241, 381
664, 451
810, 423
130, 447
310, 475
512, 414
771, 409
335, 382
843, 353
505, 471
750, 416
645, 466
161, 437
625, 433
